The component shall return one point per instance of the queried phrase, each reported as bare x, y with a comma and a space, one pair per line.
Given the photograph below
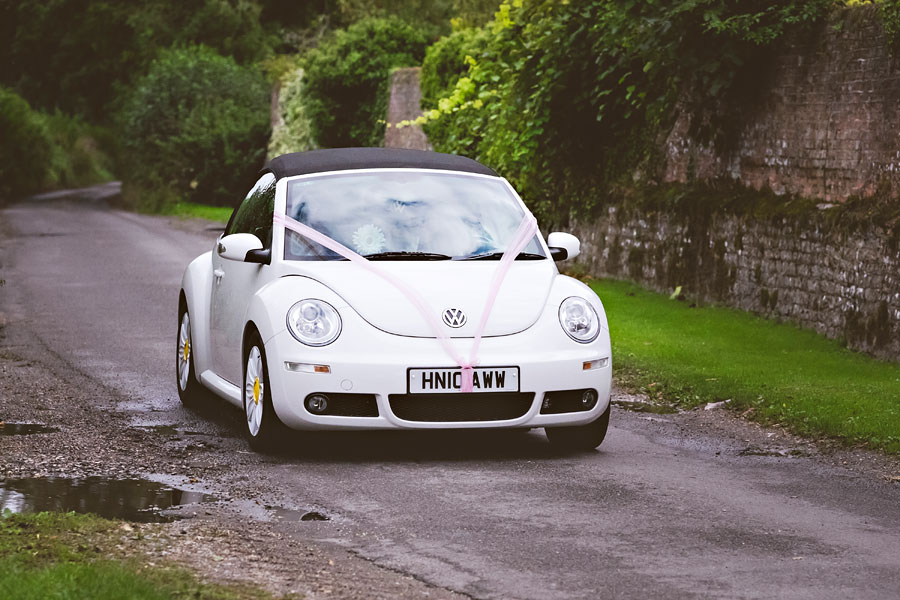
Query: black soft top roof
349, 159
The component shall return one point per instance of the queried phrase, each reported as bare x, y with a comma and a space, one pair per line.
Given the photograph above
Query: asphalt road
664, 509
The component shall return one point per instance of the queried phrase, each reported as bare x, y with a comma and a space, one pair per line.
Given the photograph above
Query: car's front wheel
263, 429
580, 438
189, 389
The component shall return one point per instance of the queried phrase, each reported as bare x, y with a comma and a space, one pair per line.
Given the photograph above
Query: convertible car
373, 288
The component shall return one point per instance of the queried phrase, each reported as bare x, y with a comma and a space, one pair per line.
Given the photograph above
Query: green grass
688, 356
68, 556
189, 210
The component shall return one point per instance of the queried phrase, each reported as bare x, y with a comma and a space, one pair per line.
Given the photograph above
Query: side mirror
563, 245
243, 247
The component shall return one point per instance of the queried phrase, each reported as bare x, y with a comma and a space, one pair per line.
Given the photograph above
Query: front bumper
365, 360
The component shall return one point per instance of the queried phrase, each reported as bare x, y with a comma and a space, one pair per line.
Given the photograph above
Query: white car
286, 321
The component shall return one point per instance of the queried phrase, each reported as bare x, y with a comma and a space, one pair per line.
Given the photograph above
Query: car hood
462, 285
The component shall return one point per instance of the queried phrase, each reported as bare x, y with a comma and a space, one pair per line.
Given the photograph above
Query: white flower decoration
368, 239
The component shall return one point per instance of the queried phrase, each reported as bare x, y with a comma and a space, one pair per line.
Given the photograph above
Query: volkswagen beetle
375, 288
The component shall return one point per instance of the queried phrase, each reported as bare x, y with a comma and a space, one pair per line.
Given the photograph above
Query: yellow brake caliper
256, 390
187, 349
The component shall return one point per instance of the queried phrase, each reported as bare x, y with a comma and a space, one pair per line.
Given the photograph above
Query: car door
235, 282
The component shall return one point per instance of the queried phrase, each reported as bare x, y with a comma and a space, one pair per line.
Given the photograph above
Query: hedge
346, 80
196, 127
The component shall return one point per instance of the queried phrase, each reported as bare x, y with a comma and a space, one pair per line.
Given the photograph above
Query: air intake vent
450, 408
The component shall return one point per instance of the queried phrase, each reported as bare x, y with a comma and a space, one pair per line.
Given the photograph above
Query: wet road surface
660, 511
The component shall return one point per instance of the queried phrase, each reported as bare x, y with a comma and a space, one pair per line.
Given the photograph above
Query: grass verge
66, 555
189, 210
688, 356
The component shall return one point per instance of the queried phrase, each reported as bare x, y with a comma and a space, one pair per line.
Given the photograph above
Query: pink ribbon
527, 228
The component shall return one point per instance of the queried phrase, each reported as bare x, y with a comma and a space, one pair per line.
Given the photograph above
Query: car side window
255, 213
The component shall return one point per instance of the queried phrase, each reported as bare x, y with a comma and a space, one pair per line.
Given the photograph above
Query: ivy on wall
346, 80
568, 98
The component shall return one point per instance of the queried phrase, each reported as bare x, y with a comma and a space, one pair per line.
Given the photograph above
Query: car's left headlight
579, 319
314, 322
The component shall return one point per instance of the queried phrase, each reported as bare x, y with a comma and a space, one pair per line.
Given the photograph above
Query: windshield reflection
423, 215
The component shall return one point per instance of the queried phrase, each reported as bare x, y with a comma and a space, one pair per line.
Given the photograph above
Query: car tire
580, 438
190, 391
262, 427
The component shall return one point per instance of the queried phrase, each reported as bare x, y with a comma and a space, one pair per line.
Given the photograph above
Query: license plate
444, 381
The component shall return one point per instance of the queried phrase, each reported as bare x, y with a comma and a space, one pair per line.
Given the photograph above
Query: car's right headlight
579, 319
314, 322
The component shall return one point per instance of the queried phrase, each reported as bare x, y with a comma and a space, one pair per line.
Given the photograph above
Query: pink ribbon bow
527, 228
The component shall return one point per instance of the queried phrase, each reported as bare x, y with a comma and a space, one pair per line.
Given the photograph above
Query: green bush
79, 152
25, 148
76, 55
347, 80
890, 16
231, 27
445, 62
195, 127
432, 17
444, 65
569, 98
40, 151
293, 133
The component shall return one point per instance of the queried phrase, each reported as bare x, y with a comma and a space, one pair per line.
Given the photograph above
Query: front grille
564, 401
351, 405
449, 408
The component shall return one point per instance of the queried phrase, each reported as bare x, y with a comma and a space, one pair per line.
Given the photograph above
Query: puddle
167, 430
646, 407
159, 429
25, 428
779, 452
130, 499
315, 516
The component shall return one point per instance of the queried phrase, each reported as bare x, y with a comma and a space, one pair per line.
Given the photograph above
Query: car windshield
406, 215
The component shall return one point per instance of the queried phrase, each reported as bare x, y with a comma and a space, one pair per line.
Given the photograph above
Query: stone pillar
405, 105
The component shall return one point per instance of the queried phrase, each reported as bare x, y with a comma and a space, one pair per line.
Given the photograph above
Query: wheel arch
250, 328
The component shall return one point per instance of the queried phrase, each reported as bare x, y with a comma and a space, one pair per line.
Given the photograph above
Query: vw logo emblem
453, 317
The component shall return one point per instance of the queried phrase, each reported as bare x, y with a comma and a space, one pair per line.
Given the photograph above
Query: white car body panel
221, 388
196, 284
383, 335
443, 284
230, 297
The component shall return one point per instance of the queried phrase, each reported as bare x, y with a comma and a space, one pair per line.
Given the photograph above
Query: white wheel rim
184, 352
254, 391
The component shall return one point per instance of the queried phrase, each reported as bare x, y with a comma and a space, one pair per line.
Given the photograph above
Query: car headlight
579, 319
314, 322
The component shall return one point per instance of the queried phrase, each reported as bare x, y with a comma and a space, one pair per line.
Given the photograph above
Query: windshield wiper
406, 256
499, 255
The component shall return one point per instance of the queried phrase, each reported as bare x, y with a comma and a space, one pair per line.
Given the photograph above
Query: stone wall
828, 125
841, 283
827, 129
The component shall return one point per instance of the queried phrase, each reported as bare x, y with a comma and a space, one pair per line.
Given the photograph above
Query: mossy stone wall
818, 272
826, 123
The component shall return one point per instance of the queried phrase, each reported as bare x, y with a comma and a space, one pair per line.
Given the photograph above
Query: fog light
317, 404
588, 399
